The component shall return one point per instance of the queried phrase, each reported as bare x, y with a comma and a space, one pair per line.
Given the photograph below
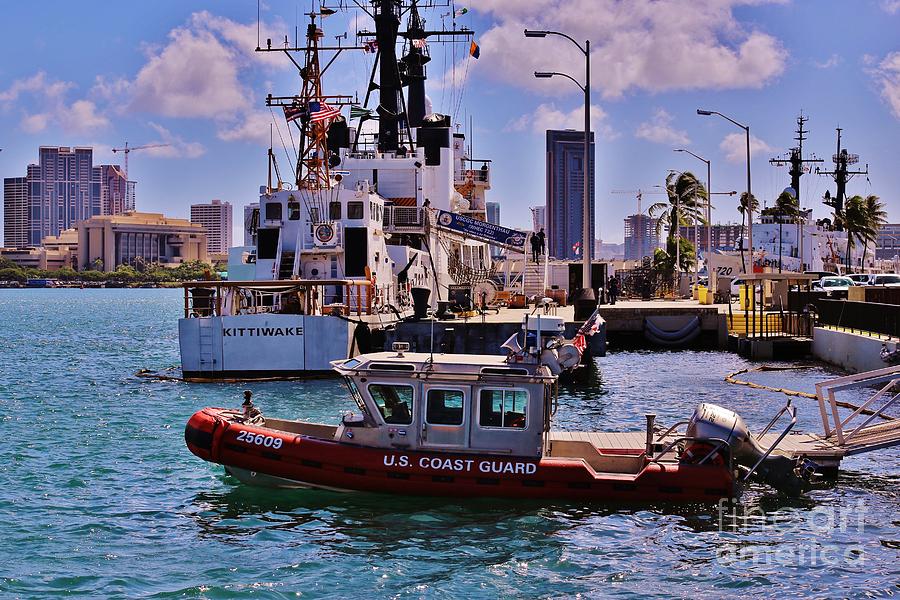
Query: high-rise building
63, 188
538, 217
565, 193
116, 192
15, 212
641, 237
887, 242
493, 216
724, 236
216, 218
493, 212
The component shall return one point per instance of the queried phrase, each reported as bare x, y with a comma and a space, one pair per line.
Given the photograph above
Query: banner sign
488, 232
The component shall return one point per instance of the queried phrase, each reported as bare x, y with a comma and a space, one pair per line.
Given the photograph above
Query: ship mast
795, 159
841, 175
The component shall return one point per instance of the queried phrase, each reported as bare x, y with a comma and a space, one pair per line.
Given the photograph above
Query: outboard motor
785, 474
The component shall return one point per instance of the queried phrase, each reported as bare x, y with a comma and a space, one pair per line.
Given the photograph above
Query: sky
186, 74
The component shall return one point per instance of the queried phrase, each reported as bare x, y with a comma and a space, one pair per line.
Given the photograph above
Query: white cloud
887, 76
35, 123
833, 61
639, 44
48, 98
547, 116
735, 147
171, 145
252, 127
659, 130
891, 7
198, 73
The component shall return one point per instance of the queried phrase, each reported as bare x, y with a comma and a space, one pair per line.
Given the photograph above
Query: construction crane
127, 150
639, 226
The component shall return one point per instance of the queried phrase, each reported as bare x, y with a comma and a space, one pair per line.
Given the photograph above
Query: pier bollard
651, 418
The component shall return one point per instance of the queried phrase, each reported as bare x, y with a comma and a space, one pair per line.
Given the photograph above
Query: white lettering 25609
258, 439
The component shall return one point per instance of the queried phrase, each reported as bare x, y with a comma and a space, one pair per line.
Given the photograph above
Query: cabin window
444, 407
354, 210
314, 214
334, 211
503, 408
273, 211
394, 402
293, 210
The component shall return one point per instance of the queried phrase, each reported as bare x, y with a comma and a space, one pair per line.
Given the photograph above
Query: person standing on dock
612, 289
538, 244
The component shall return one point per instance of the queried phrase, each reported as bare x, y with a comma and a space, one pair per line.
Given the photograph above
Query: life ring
697, 451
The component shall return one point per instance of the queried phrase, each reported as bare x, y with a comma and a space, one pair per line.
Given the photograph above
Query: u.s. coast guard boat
372, 223
464, 425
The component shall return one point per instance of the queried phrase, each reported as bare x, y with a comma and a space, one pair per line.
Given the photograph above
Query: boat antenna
432, 339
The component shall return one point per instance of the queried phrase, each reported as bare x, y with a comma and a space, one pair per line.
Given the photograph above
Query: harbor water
99, 495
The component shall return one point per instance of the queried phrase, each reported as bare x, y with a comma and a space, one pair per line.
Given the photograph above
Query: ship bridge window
444, 407
334, 211
273, 211
293, 210
354, 210
503, 408
394, 402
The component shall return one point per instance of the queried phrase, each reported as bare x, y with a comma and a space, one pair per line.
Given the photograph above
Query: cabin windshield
394, 402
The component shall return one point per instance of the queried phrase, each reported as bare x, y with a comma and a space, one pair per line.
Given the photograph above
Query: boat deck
808, 445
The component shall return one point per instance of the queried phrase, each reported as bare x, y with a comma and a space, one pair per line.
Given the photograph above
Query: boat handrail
720, 444
664, 435
789, 408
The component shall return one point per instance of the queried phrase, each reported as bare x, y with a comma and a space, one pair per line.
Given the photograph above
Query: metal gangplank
869, 427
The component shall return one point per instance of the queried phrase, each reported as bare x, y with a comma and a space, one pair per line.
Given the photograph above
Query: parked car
885, 280
860, 278
832, 285
736, 284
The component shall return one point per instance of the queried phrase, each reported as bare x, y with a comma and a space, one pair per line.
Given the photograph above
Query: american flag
370, 46
419, 43
293, 112
320, 111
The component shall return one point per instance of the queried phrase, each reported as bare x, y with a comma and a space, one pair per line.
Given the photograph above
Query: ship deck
795, 445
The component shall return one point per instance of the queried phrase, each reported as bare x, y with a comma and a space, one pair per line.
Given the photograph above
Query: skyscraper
565, 193
538, 217
63, 188
216, 218
15, 212
641, 237
493, 216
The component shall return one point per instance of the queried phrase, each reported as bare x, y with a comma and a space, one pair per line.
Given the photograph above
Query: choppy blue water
100, 497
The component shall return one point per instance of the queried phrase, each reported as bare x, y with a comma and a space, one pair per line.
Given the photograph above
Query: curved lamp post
586, 243
746, 129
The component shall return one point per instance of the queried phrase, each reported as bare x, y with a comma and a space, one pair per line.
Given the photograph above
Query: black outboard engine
785, 474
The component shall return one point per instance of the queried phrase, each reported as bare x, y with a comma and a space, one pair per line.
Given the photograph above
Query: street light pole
587, 243
746, 129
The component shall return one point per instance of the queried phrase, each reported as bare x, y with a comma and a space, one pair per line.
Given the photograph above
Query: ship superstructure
371, 221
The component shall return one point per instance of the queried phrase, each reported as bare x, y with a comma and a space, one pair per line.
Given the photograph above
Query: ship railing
344, 297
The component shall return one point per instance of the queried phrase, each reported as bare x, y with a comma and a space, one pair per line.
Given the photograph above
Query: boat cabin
457, 403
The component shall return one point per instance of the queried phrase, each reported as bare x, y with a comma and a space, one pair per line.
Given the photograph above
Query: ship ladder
207, 360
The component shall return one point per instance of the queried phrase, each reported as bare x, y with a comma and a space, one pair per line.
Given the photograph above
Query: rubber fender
690, 337
673, 336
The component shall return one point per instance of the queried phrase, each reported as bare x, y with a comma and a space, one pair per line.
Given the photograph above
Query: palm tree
875, 217
686, 199
748, 203
856, 223
786, 207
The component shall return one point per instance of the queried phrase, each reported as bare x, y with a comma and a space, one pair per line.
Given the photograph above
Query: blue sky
185, 74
